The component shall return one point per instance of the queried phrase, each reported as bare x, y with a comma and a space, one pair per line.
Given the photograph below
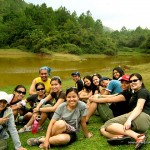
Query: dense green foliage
40, 29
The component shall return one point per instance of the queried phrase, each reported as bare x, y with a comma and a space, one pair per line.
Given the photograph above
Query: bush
109, 52
72, 49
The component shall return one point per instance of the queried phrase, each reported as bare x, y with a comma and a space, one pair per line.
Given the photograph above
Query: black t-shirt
121, 108
143, 94
79, 84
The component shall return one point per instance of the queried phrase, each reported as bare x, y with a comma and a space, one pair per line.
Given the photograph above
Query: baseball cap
124, 78
75, 73
104, 78
3, 96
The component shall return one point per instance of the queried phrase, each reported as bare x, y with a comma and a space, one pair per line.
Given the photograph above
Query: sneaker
24, 129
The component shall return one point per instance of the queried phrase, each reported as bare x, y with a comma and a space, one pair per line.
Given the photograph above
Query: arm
84, 127
13, 131
136, 111
111, 99
32, 88
53, 108
49, 133
46, 99
85, 95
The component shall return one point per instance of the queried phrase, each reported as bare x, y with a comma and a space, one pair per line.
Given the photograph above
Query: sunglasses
40, 89
135, 80
20, 92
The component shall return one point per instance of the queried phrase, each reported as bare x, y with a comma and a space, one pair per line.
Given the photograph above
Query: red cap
124, 78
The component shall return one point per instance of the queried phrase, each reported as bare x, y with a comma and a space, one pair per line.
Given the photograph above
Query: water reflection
23, 70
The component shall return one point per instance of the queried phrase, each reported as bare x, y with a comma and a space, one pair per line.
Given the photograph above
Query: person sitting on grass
122, 128
109, 106
33, 101
44, 73
55, 98
87, 90
16, 102
117, 73
7, 122
65, 122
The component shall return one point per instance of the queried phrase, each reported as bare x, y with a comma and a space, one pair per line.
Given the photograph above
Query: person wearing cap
110, 106
77, 79
44, 78
7, 122
137, 121
117, 73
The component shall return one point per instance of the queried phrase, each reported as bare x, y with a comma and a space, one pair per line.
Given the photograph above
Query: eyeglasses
40, 89
20, 92
135, 80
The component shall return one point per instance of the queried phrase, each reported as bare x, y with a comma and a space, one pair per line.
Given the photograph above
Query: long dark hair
88, 88
120, 70
74, 89
19, 86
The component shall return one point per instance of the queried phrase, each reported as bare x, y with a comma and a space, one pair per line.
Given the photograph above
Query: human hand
89, 135
21, 148
127, 125
3, 120
36, 109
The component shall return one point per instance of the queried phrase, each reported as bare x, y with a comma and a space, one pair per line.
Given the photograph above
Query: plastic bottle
35, 126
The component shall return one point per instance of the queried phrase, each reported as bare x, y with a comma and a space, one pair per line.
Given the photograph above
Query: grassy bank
97, 141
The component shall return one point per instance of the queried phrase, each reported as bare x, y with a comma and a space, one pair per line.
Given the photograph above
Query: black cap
75, 73
104, 78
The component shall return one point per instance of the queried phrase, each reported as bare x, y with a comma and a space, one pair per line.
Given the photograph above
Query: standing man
78, 82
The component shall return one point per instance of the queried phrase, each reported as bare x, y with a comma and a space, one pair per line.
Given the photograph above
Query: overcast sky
113, 13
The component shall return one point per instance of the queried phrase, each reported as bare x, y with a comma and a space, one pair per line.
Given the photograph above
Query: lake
22, 70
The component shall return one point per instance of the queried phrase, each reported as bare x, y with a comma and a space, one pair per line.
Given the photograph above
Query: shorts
105, 112
73, 137
136, 125
49, 114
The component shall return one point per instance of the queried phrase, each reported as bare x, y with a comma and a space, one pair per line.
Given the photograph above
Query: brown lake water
23, 70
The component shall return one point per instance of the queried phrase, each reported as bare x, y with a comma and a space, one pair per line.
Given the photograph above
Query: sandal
140, 140
119, 140
34, 141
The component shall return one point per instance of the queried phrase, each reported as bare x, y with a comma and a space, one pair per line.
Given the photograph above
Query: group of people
123, 103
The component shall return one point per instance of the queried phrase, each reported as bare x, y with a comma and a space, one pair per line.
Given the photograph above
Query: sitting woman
7, 123
87, 89
33, 100
117, 73
119, 102
134, 122
97, 88
55, 98
16, 102
65, 122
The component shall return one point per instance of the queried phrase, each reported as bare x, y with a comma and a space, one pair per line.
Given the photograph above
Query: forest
41, 29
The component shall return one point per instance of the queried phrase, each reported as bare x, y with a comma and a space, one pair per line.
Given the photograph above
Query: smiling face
40, 89
135, 83
3, 104
72, 99
125, 85
55, 86
96, 80
116, 74
87, 82
44, 74
19, 93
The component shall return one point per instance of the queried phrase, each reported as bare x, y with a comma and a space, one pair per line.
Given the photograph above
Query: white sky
113, 13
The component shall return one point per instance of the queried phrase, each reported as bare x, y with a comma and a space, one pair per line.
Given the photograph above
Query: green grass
97, 141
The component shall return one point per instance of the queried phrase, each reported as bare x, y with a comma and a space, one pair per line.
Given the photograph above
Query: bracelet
43, 101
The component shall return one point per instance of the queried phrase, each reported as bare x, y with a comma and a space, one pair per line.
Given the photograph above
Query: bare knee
102, 131
60, 124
